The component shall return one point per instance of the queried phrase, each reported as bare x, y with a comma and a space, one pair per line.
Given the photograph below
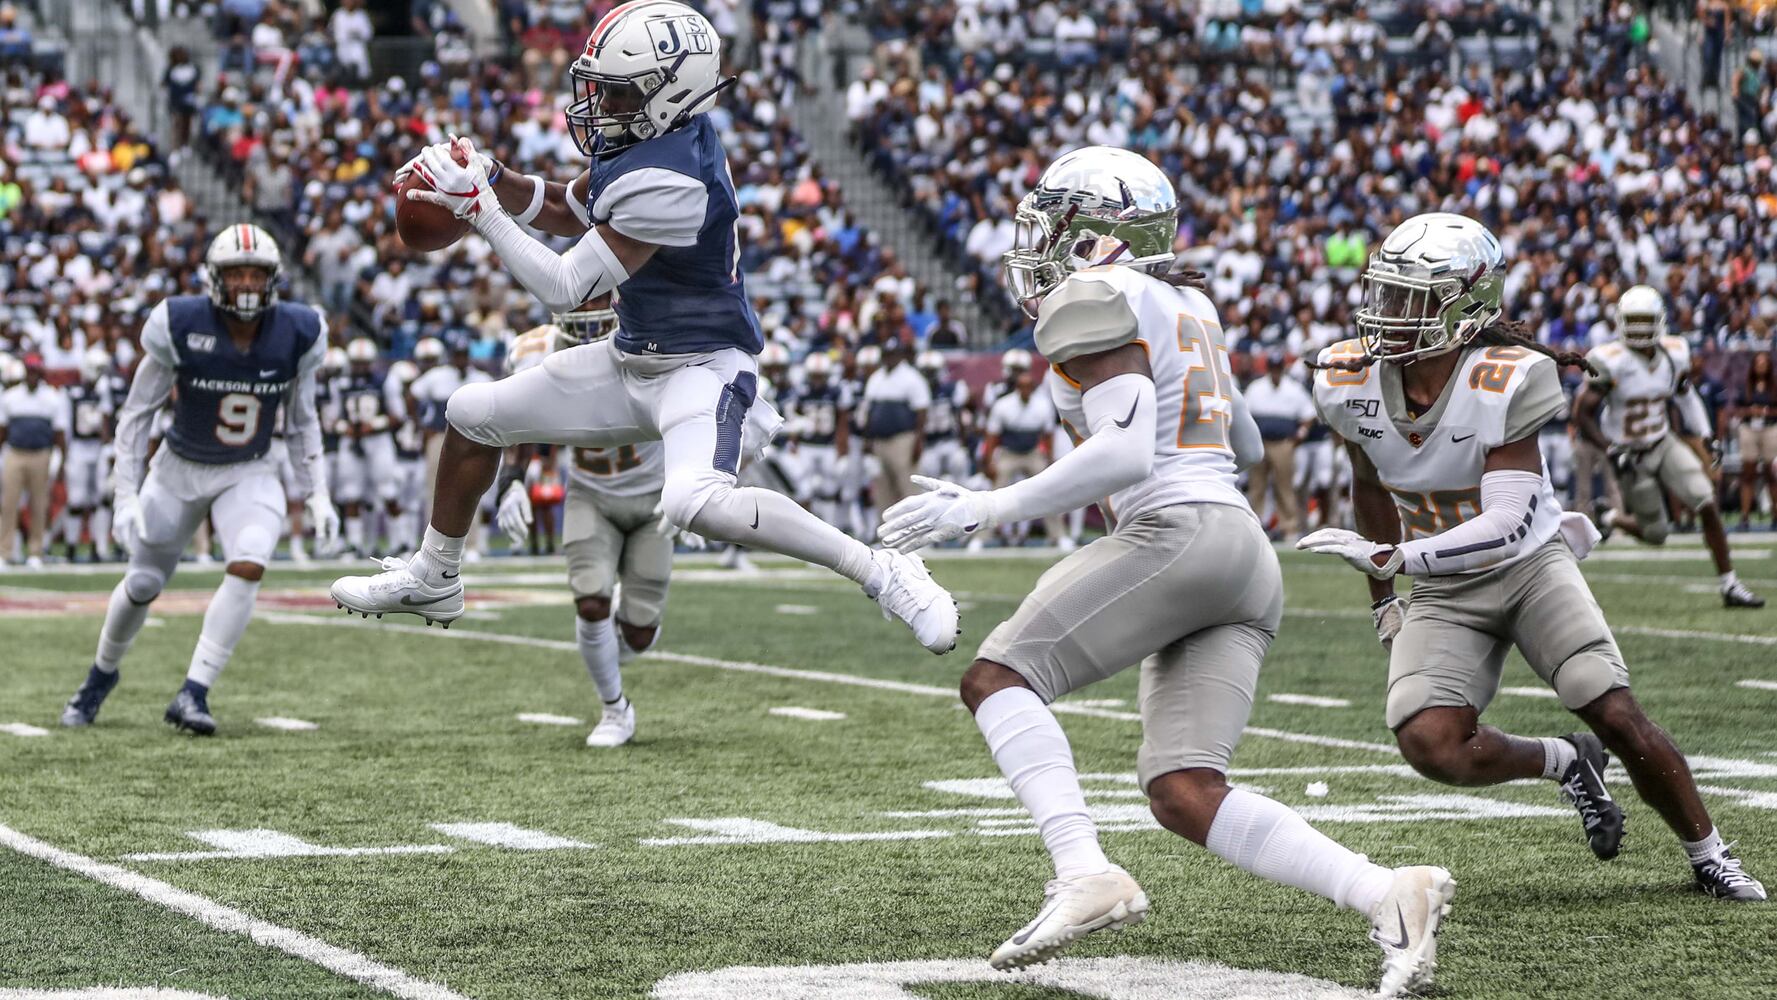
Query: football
424, 226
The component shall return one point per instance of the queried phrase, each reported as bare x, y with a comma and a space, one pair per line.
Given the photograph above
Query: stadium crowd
1298, 137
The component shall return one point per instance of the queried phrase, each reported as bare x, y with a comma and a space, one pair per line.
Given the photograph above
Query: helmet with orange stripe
649, 66
243, 265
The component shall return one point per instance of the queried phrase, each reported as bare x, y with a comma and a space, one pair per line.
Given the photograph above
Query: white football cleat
1073, 908
909, 593
1406, 924
397, 591
615, 728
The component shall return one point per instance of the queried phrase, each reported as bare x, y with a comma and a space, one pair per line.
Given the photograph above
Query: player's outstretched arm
1585, 417
149, 390
554, 208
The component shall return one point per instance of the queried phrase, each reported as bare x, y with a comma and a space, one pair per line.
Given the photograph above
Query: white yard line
1757, 685
819, 676
546, 719
1318, 701
334, 959
291, 725
22, 729
1529, 692
808, 714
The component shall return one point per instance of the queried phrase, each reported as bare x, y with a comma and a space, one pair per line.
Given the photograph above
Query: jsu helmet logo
675, 35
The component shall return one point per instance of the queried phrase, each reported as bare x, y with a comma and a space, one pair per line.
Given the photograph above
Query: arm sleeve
559, 281
394, 403
1696, 416
1244, 436
1538, 401
302, 422
148, 393
654, 205
1509, 499
1119, 452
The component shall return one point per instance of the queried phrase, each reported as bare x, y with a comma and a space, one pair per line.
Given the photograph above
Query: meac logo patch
680, 34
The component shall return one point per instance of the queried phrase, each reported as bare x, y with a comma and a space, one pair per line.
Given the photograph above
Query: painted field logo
1125, 978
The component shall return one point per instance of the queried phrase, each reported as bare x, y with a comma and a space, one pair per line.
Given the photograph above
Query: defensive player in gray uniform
1625, 410
1441, 405
1141, 371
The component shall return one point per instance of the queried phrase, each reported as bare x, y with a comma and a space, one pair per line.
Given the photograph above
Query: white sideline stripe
1062, 707
292, 725
811, 714
334, 959
1529, 692
23, 729
1285, 698
1757, 685
545, 719
515, 838
107, 993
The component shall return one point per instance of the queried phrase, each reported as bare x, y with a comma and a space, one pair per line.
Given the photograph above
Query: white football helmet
403, 372
361, 352
334, 361
429, 349
818, 365
648, 67
594, 320
869, 358
1433, 285
1641, 317
243, 245
94, 363
1014, 361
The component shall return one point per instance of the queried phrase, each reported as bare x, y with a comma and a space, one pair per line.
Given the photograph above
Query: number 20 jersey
1433, 464
1193, 387
226, 398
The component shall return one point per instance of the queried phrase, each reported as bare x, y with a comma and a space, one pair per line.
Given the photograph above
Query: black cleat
83, 708
1735, 595
1582, 784
1603, 518
190, 712
1724, 878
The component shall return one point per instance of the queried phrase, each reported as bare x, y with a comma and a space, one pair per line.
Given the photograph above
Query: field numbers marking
232, 844
513, 838
340, 961
810, 714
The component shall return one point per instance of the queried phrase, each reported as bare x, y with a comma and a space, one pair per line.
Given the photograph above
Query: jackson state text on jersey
693, 299
226, 399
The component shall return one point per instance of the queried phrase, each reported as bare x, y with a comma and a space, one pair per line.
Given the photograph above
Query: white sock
1728, 579
1558, 755
439, 554
1268, 839
1703, 850
598, 647
225, 620
123, 619
101, 529
763, 519
355, 531
1033, 753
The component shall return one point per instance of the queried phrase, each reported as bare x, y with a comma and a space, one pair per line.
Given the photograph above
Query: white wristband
537, 188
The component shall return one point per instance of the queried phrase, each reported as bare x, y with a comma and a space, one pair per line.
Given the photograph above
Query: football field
807, 813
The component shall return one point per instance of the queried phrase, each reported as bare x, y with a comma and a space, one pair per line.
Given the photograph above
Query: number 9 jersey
1432, 464
1099, 309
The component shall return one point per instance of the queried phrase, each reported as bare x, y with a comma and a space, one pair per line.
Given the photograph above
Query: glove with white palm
1388, 615
461, 188
323, 518
488, 163
126, 521
514, 515
1379, 561
944, 512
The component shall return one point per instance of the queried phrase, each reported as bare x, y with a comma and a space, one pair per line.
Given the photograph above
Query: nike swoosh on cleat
449, 576
410, 602
1126, 421
1602, 792
1398, 915
1024, 935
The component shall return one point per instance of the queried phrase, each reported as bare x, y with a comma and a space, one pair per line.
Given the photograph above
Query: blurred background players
33, 441
367, 476
1019, 427
895, 404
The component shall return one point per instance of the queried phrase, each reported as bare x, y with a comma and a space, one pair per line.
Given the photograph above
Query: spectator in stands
352, 31
895, 401
34, 423
46, 129
15, 40
181, 81
1755, 410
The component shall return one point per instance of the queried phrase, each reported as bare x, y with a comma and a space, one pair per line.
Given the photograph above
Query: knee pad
470, 409
693, 492
1655, 532
1588, 674
142, 584
252, 544
1407, 697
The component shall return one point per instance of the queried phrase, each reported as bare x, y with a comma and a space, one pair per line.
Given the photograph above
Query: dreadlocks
1505, 333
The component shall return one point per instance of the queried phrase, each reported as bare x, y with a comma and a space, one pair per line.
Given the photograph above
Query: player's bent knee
1589, 675
254, 544
470, 410
1433, 748
689, 493
593, 609
984, 678
638, 637
251, 572
1186, 801
142, 584
1655, 532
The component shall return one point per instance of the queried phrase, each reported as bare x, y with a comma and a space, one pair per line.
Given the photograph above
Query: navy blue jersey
226, 399
941, 418
89, 406
361, 401
685, 299
327, 406
816, 411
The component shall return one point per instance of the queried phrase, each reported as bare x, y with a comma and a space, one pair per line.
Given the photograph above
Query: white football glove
1388, 615
685, 536
323, 518
515, 514
463, 190
945, 511
487, 162
126, 521
1355, 549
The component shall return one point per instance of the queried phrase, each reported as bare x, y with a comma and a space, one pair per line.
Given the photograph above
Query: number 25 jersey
1100, 309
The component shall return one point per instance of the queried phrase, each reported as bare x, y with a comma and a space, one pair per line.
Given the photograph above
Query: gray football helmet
1435, 283
1093, 206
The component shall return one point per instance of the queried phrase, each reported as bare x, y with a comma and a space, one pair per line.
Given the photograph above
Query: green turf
417, 729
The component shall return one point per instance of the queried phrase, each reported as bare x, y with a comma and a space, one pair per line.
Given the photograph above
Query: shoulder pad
1679, 350
1086, 315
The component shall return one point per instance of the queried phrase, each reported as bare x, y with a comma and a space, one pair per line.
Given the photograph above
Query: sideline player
233, 355
1441, 405
89, 435
1635, 382
1141, 371
610, 531
368, 477
654, 216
